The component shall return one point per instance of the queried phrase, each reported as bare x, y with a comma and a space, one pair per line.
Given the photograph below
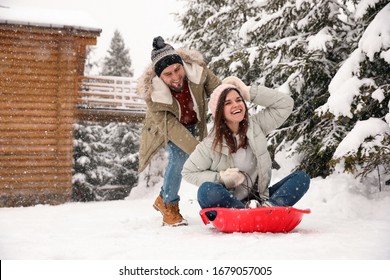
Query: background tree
296, 47
212, 27
106, 154
91, 66
105, 161
118, 62
360, 99
287, 45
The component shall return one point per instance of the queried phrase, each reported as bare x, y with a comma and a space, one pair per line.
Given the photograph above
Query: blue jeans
172, 176
286, 192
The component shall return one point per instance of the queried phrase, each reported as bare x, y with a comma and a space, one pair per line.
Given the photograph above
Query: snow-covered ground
343, 225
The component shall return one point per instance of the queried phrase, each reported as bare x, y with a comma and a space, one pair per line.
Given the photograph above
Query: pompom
158, 43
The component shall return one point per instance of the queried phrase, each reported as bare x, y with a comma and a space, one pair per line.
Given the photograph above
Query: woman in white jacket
232, 166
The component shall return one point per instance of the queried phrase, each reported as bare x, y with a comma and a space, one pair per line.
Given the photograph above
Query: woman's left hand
232, 177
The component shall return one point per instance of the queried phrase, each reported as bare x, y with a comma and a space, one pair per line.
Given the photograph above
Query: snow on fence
106, 92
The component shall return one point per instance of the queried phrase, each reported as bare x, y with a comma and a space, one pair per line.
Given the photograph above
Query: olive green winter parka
161, 122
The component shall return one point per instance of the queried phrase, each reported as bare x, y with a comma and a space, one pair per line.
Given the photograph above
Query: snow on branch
377, 35
361, 131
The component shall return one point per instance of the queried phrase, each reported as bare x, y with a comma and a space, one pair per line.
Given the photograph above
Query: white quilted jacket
204, 164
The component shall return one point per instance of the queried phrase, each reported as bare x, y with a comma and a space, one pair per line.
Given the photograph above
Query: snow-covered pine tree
106, 155
360, 97
154, 172
291, 45
118, 62
124, 140
320, 41
90, 168
91, 66
300, 45
212, 27
105, 160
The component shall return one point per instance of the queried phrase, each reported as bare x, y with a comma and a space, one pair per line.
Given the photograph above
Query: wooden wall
38, 70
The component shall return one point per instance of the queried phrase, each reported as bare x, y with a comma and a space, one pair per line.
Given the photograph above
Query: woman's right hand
242, 88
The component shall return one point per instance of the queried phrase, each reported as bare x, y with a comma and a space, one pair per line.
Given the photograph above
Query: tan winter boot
171, 213
159, 204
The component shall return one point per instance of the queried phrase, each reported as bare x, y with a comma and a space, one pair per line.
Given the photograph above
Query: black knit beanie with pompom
163, 55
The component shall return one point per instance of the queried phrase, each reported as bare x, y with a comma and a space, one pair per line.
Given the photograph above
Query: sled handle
304, 211
208, 215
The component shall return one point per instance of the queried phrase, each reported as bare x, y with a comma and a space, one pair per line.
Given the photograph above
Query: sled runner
264, 219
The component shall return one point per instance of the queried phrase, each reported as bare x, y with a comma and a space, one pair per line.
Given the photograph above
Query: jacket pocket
151, 140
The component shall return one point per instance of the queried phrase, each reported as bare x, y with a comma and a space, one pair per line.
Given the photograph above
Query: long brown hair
223, 131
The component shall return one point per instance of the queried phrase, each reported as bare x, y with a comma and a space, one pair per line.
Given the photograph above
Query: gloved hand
232, 177
242, 88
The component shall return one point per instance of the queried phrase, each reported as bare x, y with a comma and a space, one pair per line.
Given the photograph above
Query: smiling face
173, 76
234, 110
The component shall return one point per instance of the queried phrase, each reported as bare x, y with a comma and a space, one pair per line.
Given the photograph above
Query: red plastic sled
264, 219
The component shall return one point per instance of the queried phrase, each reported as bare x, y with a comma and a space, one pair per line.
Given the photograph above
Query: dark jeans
286, 192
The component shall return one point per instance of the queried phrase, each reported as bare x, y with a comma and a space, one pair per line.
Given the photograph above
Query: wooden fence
104, 98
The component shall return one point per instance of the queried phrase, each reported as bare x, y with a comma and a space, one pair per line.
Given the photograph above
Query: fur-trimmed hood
162, 117
189, 57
